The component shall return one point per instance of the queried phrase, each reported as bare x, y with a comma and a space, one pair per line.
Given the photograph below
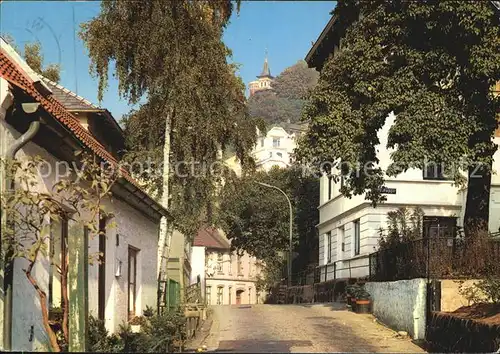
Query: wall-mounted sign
385, 190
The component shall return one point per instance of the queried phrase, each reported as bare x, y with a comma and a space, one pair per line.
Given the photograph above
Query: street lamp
290, 236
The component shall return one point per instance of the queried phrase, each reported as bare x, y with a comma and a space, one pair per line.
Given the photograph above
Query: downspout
9, 263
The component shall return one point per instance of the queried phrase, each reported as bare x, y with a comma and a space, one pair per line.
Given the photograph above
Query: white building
225, 277
349, 228
275, 148
126, 281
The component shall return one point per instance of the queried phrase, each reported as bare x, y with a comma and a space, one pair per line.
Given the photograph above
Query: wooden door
238, 297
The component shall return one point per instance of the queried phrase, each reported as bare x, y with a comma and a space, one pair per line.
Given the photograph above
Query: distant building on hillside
274, 148
264, 80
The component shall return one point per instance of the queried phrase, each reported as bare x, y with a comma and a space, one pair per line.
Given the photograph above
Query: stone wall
401, 305
446, 333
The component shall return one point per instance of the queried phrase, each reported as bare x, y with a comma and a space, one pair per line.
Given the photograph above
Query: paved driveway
300, 328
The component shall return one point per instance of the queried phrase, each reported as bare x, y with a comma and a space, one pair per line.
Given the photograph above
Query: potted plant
363, 302
135, 323
351, 294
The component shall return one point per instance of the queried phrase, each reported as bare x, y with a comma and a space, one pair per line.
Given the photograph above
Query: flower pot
363, 306
353, 304
135, 328
348, 299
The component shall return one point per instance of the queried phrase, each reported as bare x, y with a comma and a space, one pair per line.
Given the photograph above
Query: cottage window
132, 281
276, 142
357, 237
279, 154
57, 253
261, 142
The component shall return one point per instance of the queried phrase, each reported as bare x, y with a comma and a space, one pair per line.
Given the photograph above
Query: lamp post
291, 226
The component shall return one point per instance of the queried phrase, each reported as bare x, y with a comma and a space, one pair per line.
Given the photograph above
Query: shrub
100, 340
158, 335
485, 290
148, 312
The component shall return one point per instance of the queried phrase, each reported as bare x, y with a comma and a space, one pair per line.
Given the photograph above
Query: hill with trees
284, 103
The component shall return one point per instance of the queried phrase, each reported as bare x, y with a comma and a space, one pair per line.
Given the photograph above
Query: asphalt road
300, 328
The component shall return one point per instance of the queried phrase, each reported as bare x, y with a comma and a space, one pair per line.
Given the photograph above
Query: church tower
264, 80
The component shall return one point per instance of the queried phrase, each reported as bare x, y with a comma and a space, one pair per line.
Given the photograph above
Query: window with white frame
276, 142
261, 142
328, 245
357, 237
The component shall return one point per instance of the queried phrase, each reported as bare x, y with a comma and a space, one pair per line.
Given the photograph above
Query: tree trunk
45, 311
165, 233
477, 205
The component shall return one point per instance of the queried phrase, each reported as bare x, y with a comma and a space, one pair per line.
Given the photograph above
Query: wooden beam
78, 288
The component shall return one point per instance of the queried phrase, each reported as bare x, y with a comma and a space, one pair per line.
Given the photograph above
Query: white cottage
126, 281
349, 228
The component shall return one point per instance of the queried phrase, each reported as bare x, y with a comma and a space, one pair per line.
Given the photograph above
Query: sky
285, 28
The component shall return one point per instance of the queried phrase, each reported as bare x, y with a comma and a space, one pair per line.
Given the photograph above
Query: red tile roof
14, 74
210, 237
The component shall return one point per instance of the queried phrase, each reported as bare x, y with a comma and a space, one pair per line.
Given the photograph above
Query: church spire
265, 70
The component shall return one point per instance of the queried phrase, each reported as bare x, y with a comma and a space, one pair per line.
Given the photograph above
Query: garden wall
450, 295
401, 305
447, 333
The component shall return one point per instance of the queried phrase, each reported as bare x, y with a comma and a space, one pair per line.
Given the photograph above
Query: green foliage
431, 63
170, 54
149, 311
403, 225
256, 218
34, 58
284, 103
100, 340
485, 290
296, 81
159, 334
271, 274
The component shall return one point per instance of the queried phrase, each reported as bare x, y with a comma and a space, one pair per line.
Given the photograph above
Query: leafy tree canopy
284, 103
170, 53
431, 63
296, 81
256, 218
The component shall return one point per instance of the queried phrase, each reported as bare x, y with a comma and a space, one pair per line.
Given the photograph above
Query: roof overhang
316, 56
40, 86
